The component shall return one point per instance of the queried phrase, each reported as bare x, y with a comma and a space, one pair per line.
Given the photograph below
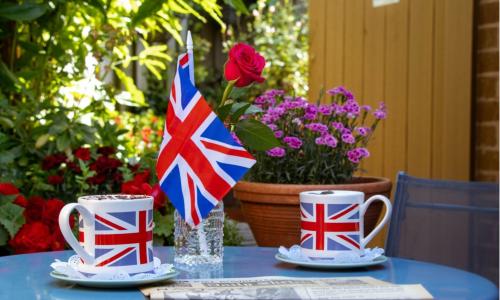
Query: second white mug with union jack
115, 233
332, 222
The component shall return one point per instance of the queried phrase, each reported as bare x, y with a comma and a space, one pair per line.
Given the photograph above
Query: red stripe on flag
184, 60
115, 257
109, 223
338, 216
81, 236
228, 151
123, 238
330, 227
306, 236
181, 133
320, 224
143, 252
212, 181
173, 92
349, 240
194, 214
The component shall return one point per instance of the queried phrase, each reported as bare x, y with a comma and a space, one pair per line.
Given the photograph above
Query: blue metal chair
454, 223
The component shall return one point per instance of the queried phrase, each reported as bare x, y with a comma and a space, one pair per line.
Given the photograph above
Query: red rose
117, 177
76, 168
104, 163
136, 188
142, 176
53, 161
245, 65
32, 237
97, 179
82, 153
50, 212
159, 196
34, 209
7, 188
134, 168
55, 179
21, 201
106, 151
130, 187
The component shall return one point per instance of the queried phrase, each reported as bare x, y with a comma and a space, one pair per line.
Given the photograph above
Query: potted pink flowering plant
321, 148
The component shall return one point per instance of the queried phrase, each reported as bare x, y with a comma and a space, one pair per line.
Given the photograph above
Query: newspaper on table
272, 287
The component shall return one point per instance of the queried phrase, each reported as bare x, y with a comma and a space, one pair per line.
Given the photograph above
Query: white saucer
330, 265
112, 283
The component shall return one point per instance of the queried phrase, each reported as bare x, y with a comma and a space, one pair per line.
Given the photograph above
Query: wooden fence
415, 56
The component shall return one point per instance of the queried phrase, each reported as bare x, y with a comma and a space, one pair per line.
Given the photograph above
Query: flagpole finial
189, 48
189, 42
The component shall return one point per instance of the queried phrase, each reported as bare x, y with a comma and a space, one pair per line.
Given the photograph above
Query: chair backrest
453, 223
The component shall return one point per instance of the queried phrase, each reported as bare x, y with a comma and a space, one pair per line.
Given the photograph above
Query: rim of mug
114, 197
334, 193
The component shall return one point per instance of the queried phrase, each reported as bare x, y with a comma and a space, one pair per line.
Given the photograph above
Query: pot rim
293, 189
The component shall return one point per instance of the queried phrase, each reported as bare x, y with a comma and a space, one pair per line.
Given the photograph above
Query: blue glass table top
27, 276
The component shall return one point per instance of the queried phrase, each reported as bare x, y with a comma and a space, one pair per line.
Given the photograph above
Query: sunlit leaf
41, 140
147, 9
128, 83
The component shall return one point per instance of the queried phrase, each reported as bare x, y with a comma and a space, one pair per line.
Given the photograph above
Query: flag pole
189, 47
202, 238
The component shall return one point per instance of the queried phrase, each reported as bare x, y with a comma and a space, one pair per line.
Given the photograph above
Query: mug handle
388, 210
88, 218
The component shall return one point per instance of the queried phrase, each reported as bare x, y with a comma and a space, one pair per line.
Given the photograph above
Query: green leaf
223, 111
128, 82
99, 5
29, 46
6, 122
147, 9
11, 217
22, 12
240, 111
4, 236
253, 109
41, 140
10, 155
6, 75
164, 225
58, 127
256, 135
62, 142
238, 5
237, 110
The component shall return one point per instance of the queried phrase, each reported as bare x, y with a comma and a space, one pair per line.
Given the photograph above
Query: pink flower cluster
337, 127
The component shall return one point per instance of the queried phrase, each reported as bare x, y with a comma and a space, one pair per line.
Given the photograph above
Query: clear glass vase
202, 244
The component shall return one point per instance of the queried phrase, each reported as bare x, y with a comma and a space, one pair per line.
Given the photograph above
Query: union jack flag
329, 226
122, 238
199, 161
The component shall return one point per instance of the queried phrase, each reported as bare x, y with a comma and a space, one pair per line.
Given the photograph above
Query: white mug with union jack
115, 233
332, 222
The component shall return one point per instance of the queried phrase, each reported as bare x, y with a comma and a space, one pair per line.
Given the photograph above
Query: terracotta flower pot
273, 210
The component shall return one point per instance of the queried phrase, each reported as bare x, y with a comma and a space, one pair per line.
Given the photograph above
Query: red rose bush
40, 232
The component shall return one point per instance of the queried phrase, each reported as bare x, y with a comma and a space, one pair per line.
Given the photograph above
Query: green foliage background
67, 79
